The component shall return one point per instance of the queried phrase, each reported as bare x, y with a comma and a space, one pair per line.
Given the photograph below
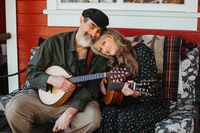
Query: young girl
137, 113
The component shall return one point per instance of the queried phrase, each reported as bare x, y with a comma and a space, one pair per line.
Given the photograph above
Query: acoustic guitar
115, 96
57, 97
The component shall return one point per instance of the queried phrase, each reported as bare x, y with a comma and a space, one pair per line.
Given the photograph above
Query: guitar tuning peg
119, 76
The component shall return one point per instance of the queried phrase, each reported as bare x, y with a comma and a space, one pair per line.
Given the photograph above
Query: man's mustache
90, 36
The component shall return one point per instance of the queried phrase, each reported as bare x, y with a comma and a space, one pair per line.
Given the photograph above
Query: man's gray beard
85, 43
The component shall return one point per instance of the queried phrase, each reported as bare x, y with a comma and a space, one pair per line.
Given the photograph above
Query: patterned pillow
26, 84
172, 47
189, 72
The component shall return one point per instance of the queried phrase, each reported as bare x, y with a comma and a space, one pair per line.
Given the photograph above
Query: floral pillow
26, 84
189, 72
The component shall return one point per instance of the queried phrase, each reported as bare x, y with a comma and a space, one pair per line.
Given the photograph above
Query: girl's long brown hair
125, 55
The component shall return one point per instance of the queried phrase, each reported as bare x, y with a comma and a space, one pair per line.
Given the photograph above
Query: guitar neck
82, 78
119, 86
96, 76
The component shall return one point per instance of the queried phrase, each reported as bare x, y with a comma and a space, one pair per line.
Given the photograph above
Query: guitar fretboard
115, 72
87, 77
82, 78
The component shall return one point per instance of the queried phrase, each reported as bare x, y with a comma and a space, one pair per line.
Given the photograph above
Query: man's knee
94, 115
13, 108
88, 120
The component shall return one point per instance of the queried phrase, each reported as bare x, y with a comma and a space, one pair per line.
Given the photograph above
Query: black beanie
97, 16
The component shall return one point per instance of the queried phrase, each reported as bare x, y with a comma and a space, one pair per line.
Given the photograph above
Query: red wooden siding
32, 24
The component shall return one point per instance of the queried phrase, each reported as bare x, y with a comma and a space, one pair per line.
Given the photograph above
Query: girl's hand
102, 85
127, 91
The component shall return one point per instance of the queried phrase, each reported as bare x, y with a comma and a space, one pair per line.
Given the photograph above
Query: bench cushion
180, 120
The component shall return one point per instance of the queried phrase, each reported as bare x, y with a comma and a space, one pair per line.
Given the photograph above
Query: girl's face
107, 47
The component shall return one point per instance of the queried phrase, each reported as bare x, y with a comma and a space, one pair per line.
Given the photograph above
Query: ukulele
56, 97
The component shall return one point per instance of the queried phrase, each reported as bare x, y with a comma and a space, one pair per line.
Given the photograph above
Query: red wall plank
40, 31
30, 6
32, 20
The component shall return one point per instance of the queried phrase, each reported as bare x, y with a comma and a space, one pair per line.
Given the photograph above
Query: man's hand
62, 83
102, 85
63, 122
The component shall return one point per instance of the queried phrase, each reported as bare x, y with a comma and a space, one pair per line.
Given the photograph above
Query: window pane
89, 1
174, 1
156, 1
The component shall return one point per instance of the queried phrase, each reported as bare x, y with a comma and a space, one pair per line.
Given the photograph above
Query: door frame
12, 56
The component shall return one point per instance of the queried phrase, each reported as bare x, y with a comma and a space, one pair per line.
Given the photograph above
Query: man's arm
38, 64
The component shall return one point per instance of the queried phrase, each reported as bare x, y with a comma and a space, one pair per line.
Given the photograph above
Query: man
68, 50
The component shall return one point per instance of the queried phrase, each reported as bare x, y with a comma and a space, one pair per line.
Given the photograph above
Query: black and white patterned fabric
183, 112
189, 72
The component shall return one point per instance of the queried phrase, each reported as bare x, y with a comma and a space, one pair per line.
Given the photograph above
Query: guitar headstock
119, 74
146, 87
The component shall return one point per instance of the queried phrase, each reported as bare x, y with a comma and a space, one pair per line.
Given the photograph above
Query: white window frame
129, 15
12, 52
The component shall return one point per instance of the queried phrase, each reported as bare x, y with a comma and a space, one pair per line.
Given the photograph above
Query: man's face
89, 33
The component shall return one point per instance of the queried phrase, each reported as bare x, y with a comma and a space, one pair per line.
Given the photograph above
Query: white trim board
128, 15
131, 19
12, 58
